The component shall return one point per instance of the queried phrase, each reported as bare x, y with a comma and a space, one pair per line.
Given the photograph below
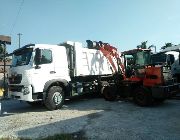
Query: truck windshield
22, 57
158, 58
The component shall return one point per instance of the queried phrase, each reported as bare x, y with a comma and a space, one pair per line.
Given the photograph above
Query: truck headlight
25, 91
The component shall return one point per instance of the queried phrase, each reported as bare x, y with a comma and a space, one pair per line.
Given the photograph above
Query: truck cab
169, 56
34, 65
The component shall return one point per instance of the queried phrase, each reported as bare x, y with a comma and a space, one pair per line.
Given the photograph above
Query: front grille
15, 79
15, 88
167, 74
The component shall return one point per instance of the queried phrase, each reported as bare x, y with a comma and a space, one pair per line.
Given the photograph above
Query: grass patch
74, 136
65, 137
14, 139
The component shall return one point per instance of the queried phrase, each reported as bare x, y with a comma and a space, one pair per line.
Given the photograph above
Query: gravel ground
92, 118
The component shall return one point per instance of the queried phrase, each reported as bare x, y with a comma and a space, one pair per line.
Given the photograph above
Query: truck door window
46, 57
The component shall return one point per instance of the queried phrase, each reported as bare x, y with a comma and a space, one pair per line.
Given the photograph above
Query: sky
121, 23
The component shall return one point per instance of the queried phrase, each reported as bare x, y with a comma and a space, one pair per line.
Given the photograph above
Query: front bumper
20, 92
168, 91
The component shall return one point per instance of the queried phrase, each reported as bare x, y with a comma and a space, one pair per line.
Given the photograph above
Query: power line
16, 18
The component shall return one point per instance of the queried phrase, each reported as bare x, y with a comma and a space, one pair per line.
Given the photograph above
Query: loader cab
136, 60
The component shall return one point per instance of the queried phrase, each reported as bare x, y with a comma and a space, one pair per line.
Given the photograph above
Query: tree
166, 45
1, 49
143, 45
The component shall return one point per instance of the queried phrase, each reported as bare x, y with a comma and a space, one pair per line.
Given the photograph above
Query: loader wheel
142, 96
161, 100
109, 93
55, 98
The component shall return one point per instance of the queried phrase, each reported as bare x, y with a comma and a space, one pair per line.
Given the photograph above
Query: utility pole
19, 35
153, 46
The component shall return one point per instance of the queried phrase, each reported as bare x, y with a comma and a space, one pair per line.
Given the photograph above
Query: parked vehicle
145, 82
171, 57
52, 73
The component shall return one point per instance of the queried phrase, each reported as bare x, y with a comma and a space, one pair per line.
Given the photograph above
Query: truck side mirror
38, 56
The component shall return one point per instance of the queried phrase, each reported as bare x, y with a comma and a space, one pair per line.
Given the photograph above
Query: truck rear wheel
142, 96
109, 93
55, 98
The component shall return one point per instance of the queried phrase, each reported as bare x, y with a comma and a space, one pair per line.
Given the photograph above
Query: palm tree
1, 49
143, 45
166, 45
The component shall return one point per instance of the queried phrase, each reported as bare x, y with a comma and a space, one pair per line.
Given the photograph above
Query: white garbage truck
51, 73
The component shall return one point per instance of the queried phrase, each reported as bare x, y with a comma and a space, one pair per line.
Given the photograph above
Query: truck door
44, 70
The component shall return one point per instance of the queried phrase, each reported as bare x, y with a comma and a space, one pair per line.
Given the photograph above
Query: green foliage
166, 45
14, 139
1, 49
72, 136
143, 45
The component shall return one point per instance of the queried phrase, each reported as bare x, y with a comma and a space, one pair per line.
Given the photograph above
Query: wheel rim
57, 98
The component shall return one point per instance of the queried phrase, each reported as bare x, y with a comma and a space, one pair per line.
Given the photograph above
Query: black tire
161, 100
34, 104
142, 96
109, 93
55, 98
103, 84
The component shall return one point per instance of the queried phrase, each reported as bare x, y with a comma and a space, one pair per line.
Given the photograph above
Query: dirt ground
93, 118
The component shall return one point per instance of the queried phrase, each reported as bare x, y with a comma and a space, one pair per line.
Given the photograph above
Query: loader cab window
129, 64
142, 58
136, 61
44, 56
129, 60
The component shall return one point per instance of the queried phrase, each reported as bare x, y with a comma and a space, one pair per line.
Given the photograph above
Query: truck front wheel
55, 98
